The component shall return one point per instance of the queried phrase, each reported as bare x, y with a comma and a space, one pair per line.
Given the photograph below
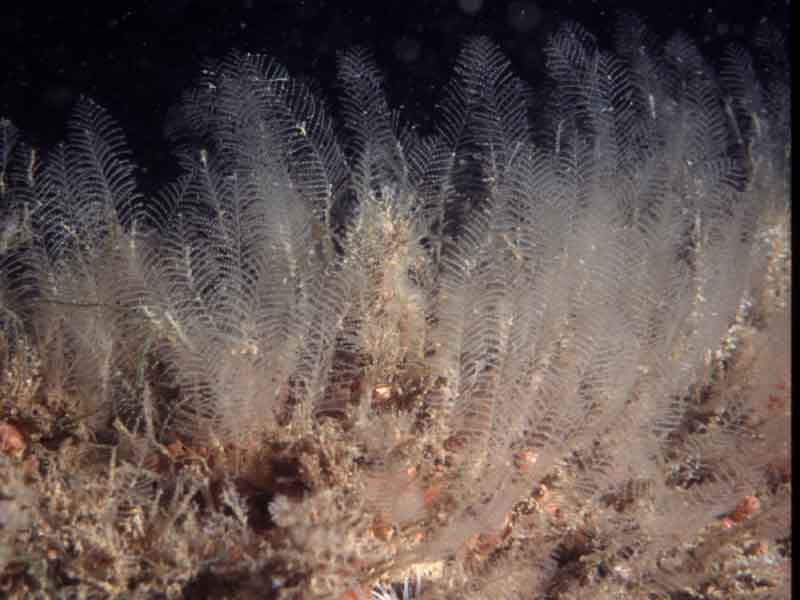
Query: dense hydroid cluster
540, 353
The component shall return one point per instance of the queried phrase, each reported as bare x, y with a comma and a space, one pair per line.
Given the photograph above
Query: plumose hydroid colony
540, 353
